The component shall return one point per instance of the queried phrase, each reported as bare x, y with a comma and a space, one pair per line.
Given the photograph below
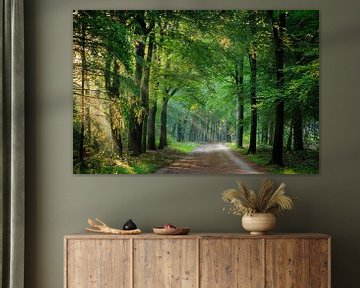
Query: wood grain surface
287, 263
320, 263
231, 263
197, 261
98, 263
165, 263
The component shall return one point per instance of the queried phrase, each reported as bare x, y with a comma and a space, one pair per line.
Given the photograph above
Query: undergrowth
145, 163
295, 162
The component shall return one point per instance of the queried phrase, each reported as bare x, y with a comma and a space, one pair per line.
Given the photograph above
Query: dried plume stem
101, 227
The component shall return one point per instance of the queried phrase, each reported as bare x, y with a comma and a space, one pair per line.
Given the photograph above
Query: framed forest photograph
196, 92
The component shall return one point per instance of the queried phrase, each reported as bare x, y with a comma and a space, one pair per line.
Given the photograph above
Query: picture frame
196, 92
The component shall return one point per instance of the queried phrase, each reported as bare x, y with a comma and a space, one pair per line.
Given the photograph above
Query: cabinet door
297, 263
231, 263
320, 263
98, 263
165, 263
287, 263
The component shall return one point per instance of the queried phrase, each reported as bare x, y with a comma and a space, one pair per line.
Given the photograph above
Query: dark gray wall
59, 202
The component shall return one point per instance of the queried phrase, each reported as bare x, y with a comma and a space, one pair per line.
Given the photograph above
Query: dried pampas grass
245, 201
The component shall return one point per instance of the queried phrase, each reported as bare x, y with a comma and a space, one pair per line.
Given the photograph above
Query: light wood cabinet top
199, 236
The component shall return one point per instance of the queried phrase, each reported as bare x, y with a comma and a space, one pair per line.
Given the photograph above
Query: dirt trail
215, 158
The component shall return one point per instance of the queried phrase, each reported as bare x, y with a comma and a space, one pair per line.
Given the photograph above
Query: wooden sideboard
197, 260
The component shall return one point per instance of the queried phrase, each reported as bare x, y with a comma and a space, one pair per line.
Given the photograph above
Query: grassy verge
145, 163
295, 162
185, 147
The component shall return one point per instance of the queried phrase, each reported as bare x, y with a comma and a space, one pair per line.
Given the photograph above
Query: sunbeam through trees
154, 90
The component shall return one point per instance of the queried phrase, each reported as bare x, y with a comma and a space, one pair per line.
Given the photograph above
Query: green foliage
103, 30
145, 163
295, 162
185, 147
194, 64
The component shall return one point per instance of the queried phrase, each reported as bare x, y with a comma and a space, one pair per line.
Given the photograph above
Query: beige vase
259, 223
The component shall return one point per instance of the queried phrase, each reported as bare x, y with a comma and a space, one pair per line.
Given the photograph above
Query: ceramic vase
259, 223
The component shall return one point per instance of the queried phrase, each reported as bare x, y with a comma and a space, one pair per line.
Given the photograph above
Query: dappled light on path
215, 158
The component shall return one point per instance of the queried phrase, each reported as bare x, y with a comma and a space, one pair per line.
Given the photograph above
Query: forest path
214, 158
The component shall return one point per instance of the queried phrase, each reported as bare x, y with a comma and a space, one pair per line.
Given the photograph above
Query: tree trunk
151, 126
264, 133
191, 131
112, 84
135, 124
253, 129
88, 124
278, 146
180, 131
213, 131
207, 128
88, 134
278, 28
298, 129
115, 133
153, 108
227, 132
163, 130
290, 138
240, 102
271, 133
134, 135
83, 72
173, 129
145, 89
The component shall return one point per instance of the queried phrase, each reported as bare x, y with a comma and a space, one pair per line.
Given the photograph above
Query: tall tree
239, 78
156, 83
298, 129
82, 44
168, 92
135, 117
145, 86
112, 85
253, 100
153, 104
302, 64
152, 125
278, 31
